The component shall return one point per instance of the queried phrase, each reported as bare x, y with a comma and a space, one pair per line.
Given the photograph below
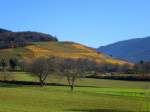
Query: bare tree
73, 69
24, 65
4, 65
13, 63
142, 68
41, 69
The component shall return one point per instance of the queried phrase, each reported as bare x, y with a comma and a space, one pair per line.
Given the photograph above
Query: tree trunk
68, 79
41, 82
4, 73
72, 83
72, 87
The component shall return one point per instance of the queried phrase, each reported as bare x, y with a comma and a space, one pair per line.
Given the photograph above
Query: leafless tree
41, 68
4, 65
73, 69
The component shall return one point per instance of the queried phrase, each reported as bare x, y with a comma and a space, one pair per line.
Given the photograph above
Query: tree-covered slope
9, 39
132, 50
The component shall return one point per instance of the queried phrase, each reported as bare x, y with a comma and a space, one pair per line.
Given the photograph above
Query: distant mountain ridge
132, 50
4, 30
10, 39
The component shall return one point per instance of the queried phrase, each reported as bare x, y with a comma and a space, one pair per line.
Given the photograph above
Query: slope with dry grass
60, 49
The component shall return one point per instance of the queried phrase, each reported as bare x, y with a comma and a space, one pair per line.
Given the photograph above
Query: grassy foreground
97, 96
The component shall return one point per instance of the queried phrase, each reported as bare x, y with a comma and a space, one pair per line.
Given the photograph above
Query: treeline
142, 68
137, 72
10, 39
72, 69
9, 64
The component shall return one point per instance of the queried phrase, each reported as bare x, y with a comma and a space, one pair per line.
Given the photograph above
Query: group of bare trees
71, 69
7, 65
41, 67
10, 64
75, 68
142, 67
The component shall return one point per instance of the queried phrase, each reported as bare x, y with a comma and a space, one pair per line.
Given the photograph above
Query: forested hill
4, 30
31, 45
10, 39
133, 50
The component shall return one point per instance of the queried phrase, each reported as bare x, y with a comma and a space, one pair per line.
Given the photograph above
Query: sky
91, 22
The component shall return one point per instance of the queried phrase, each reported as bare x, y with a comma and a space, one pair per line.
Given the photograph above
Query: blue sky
90, 22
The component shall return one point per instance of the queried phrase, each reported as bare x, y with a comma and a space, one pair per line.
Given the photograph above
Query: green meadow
90, 95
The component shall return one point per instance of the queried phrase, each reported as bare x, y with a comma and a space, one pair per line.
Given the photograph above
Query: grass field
91, 95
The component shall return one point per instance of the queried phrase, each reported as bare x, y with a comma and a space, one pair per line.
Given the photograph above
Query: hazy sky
90, 22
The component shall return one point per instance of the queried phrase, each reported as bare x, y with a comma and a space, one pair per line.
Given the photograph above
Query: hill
30, 45
9, 39
4, 31
132, 50
60, 49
